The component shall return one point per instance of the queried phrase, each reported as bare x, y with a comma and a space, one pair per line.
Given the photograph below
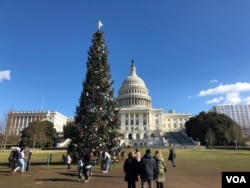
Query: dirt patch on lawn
40, 177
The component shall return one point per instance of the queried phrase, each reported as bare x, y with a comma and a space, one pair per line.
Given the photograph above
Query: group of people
86, 163
19, 160
149, 168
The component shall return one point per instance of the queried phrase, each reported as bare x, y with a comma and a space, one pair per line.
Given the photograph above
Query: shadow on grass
65, 174
68, 173
56, 180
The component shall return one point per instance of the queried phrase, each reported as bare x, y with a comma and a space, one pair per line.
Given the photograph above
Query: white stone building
18, 120
240, 113
141, 124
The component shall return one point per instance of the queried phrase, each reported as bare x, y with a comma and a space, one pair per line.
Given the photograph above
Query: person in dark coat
172, 157
13, 159
131, 169
147, 169
86, 163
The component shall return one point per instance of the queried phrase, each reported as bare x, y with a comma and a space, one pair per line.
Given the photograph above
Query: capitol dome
133, 91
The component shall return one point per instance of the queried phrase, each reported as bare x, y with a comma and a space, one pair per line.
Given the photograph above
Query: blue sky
192, 55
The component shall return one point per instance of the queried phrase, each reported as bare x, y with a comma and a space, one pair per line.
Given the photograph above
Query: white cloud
4, 75
229, 93
213, 81
233, 98
215, 100
247, 100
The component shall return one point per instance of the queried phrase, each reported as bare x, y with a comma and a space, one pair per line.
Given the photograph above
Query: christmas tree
96, 118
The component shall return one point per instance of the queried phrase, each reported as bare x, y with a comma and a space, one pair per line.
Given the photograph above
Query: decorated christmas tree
96, 118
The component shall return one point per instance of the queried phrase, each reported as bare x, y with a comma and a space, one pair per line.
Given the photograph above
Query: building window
126, 122
130, 136
137, 136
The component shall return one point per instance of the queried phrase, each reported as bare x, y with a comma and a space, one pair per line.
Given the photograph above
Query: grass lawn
195, 168
225, 160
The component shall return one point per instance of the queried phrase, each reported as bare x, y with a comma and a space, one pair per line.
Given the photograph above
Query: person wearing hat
147, 169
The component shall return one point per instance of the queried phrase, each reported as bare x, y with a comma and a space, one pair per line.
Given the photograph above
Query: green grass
39, 158
225, 160
209, 158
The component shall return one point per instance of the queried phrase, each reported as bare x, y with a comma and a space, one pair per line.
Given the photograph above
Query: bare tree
4, 129
210, 137
2, 132
236, 134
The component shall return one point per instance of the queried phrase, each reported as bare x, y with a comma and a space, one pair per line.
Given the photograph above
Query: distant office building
142, 125
239, 113
18, 120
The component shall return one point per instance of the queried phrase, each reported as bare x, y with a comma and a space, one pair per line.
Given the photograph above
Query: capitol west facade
141, 125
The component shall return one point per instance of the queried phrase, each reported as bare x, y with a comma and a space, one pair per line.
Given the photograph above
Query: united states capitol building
141, 124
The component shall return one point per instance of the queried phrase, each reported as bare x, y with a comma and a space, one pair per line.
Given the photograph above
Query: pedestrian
86, 166
123, 155
147, 169
137, 154
131, 169
12, 159
80, 169
107, 160
172, 157
161, 169
102, 155
64, 159
92, 161
20, 161
27, 154
68, 160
